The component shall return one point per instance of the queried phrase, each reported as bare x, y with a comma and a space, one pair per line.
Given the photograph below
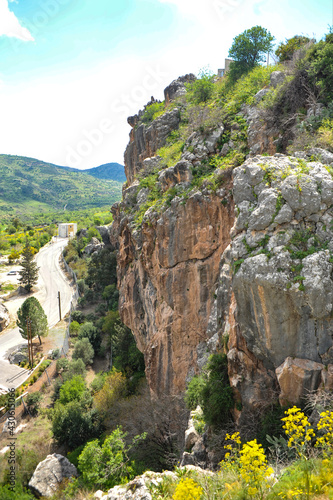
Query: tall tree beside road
31, 309
29, 272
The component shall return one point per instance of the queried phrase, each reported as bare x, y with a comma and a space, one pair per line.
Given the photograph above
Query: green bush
107, 465
33, 403
72, 390
212, 391
84, 350
73, 426
201, 90
152, 111
89, 331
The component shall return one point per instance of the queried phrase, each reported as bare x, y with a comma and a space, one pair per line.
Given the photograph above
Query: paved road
51, 280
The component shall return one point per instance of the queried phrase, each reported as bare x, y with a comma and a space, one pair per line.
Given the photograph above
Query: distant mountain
30, 185
111, 171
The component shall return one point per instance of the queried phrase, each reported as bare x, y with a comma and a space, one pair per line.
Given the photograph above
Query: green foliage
171, 153
29, 273
108, 464
72, 390
152, 112
248, 50
193, 395
18, 494
320, 69
33, 403
286, 50
201, 90
32, 310
84, 350
72, 425
102, 269
74, 328
111, 296
89, 331
244, 90
212, 391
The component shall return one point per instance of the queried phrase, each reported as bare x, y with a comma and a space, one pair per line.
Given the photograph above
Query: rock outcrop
249, 258
49, 474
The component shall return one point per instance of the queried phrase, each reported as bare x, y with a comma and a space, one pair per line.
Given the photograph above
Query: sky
72, 71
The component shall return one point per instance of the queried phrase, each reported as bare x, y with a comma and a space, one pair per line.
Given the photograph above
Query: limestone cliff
242, 253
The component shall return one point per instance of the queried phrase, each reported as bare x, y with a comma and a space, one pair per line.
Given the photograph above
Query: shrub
84, 350
107, 465
74, 426
212, 391
74, 328
152, 111
72, 390
77, 316
201, 90
33, 403
62, 365
89, 331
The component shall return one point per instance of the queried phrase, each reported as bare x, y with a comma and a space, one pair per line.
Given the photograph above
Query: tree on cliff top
31, 309
29, 272
248, 50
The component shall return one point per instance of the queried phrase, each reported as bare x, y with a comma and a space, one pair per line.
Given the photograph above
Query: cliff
215, 249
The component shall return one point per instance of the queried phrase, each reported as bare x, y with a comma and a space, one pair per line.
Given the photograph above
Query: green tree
248, 50
89, 331
29, 272
84, 350
72, 390
73, 425
32, 310
320, 69
109, 464
286, 50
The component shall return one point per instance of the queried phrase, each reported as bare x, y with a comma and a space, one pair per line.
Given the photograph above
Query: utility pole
59, 306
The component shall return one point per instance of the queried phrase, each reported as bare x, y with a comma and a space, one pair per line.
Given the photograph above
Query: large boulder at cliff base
49, 474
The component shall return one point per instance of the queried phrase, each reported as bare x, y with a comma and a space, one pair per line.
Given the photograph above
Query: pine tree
29, 273
31, 309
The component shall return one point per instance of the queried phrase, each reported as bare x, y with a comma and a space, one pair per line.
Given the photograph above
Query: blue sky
71, 71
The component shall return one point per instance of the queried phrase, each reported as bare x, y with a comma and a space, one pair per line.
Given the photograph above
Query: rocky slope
242, 257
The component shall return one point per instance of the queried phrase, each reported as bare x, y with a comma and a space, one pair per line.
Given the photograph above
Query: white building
67, 230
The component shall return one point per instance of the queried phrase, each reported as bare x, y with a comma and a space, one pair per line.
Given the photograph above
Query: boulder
171, 176
49, 474
297, 377
177, 88
277, 77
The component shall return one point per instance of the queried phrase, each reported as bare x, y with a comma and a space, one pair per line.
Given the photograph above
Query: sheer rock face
167, 283
279, 267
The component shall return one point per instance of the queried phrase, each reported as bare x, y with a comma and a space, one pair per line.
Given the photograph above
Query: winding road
51, 280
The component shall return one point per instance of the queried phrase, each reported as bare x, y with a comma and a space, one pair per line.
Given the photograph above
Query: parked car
11, 273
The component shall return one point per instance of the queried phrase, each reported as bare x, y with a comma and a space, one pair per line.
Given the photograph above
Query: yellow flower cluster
187, 489
253, 463
298, 428
325, 425
233, 448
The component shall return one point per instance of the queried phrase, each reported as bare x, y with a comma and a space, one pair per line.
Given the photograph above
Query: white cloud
10, 26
